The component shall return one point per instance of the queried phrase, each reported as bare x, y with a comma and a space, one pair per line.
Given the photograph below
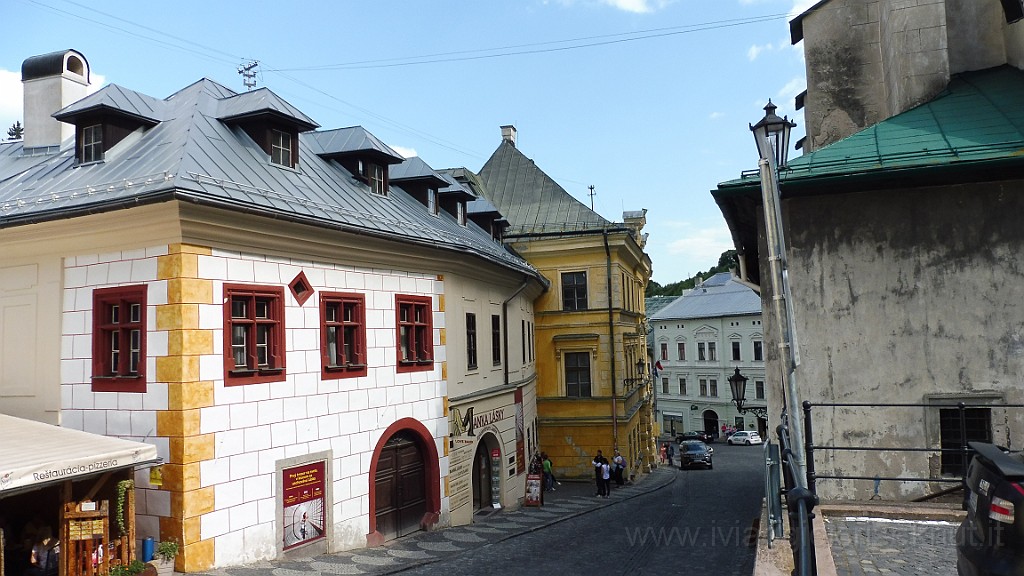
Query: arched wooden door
711, 424
400, 487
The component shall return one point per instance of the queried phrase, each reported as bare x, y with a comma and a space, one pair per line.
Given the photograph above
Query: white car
745, 437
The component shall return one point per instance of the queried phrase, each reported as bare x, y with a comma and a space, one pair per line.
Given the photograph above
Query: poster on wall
303, 491
520, 433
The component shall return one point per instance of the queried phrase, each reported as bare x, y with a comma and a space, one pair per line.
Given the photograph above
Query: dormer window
375, 176
92, 144
281, 148
461, 209
432, 201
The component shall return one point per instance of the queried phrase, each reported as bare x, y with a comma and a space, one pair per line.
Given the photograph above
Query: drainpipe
611, 339
504, 322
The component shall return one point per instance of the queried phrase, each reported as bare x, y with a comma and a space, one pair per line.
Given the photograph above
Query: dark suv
694, 435
695, 453
990, 540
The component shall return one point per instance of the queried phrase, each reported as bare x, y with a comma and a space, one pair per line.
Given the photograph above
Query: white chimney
51, 82
508, 134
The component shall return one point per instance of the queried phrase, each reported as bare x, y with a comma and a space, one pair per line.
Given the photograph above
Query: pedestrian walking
671, 453
606, 478
664, 451
620, 467
549, 478
598, 474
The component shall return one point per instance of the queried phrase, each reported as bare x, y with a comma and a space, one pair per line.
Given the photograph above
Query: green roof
978, 118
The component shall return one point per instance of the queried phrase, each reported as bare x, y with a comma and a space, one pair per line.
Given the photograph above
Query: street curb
530, 529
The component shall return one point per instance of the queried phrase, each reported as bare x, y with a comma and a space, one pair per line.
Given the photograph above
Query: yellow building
594, 389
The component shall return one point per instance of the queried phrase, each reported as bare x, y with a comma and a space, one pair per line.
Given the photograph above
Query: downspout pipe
504, 322
611, 340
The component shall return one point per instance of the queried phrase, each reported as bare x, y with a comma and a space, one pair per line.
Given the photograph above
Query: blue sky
646, 100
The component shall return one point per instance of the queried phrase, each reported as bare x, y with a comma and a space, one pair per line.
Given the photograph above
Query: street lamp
771, 134
776, 130
738, 386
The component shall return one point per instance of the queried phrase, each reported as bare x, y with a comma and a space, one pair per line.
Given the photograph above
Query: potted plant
163, 556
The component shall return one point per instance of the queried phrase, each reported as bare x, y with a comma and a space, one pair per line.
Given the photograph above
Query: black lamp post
777, 131
738, 386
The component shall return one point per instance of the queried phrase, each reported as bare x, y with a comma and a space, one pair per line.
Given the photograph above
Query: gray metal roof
415, 169
51, 64
455, 187
354, 139
529, 198
117, 99
259, 102
195, 156
718, 296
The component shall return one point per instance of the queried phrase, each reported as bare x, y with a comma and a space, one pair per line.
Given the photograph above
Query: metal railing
963, 449
800, 503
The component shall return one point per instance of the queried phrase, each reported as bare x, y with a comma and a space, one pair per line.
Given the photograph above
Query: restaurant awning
34, 454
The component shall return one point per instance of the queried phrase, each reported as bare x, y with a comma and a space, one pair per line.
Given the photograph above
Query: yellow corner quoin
189, 395
197, 557
189, 342
177, 368
189, 291
177, 316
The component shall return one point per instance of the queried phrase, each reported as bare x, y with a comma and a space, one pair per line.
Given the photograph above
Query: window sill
119, 383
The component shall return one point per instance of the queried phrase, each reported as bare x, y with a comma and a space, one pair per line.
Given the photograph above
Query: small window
119, 339
414, 333
432, 201
664, 351
471, 341
376, 178
461, 213
759, 389
342, 335
735, 350
758, 351
92, 143
524, 341
577, 374
574, 291
682, 386
703, 386
701, 355
281, 148
713, 387
977, 428
712, 356
681, 350
253, 334
664, 385
496, 339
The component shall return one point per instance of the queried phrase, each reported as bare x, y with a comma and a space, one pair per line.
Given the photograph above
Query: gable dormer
486, 216
453, 198
272, 123
359, 152
419, 181
103, 119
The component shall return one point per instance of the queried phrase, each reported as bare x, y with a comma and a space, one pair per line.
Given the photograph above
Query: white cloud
638, 6
801, 6
795, 86
405, 152
700, 248
754, 51
716, 115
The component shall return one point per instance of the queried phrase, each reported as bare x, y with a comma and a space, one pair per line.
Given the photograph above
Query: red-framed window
253, 334
119, 339
414, 322
342, 335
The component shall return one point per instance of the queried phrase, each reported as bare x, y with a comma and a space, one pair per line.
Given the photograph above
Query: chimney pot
508, 134
51, 82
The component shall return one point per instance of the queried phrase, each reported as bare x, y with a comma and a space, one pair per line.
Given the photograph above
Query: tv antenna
592, 194
248, 72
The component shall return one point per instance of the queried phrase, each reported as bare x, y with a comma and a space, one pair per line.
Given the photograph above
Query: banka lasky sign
463, 428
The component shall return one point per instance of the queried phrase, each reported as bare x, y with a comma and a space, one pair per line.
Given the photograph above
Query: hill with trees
726, 261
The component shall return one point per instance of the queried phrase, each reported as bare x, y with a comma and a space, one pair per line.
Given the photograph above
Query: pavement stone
570, 499
865, 545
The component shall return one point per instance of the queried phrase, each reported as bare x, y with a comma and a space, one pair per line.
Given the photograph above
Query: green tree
726, 261
16, 131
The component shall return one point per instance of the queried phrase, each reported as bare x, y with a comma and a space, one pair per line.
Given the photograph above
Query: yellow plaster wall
187, 394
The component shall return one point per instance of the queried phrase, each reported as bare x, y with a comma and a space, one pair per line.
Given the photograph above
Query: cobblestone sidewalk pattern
876, 546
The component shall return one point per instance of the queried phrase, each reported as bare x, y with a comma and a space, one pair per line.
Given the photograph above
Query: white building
699, 341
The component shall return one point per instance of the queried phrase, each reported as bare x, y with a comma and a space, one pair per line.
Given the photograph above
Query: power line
526, 49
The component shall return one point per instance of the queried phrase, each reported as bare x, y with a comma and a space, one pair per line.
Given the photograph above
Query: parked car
695, 435
745, 437
695, 453
990, 540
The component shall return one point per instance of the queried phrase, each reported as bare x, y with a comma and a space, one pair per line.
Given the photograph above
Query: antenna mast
592, 194
248, 72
